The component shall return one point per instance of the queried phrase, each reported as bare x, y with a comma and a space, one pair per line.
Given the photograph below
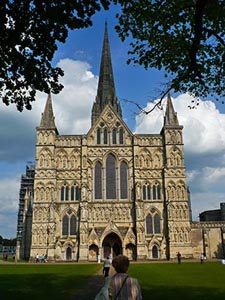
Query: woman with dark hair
123, 287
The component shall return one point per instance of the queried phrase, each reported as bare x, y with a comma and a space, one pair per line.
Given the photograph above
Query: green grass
186, 281
43, 281
159, 281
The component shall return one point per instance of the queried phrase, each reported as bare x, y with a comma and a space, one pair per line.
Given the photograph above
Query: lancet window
69, 223
110, 181
153, 224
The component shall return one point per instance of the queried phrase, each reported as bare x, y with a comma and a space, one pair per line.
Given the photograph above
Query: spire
170, 115
106, 93
48, 120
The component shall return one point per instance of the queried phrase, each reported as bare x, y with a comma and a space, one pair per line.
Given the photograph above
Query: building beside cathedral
112, 191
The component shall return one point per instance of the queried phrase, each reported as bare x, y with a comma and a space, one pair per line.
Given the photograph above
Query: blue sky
204, 128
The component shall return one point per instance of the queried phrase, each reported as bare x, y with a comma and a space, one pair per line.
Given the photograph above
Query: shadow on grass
182, 293
48, 286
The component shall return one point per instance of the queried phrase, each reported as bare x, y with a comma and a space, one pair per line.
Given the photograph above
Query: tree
29, 33
186, 38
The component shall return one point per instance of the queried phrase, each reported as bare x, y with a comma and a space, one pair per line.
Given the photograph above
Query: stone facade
111, 191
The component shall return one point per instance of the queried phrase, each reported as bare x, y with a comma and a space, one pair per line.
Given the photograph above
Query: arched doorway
155, 252
68, 253
112, 244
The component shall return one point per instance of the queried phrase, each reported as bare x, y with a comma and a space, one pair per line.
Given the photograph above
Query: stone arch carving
62, 159
157, 159
45, 158
175, 157
111, 228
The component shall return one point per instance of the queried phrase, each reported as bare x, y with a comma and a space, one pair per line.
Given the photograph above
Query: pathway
93, 286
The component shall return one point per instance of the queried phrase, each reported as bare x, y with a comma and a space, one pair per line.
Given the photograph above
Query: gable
109, 129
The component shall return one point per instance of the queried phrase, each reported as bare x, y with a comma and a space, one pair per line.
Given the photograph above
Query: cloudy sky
204, 127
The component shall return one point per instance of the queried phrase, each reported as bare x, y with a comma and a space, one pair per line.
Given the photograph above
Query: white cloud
204, 127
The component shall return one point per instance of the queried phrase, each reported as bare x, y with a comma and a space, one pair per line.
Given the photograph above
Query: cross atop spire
106, 93
170, 115
48, 120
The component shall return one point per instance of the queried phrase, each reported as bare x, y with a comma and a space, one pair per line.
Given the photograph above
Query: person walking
202, 258
121, 285
178, 257
106, 267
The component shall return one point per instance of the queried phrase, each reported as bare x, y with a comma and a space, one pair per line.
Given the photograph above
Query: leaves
186, 38
29, 32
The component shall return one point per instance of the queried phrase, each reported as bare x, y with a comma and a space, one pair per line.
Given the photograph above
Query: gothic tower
176, 198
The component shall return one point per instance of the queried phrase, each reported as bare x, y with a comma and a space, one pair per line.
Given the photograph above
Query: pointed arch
98, 180
98, 136
121, 136
157, 228
123, 180
65, 225
105, 136
149, 229
73, 222
111, 177
114, 136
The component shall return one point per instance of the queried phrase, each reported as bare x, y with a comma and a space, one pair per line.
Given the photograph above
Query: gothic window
73, 225
156, 223
149, 228
67, 193
69, 224
72, 193
156, 192
98, 136
149, 192
65, 225
111, 177
153, 224
146, 192
75, 193
98, 180
121, 136
114, 136
105, 136
123, 180
62, 194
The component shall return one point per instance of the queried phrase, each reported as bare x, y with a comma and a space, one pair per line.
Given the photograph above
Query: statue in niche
83, 192
84, 211
140, 233
138, 191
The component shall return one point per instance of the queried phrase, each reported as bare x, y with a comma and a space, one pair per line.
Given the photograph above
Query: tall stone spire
170, 115
106, 93
48, 120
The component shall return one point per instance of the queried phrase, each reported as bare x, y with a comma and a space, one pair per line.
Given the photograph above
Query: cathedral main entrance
111, 244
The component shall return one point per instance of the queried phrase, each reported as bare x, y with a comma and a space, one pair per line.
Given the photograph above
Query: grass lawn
43, 281
159, 281
189, 281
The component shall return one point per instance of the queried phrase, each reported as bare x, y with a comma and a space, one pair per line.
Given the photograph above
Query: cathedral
110, 191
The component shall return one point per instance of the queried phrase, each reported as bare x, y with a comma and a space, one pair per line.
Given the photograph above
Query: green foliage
186, 38
29, 32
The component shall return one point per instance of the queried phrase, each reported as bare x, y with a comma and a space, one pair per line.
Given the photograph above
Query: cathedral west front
109, 190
